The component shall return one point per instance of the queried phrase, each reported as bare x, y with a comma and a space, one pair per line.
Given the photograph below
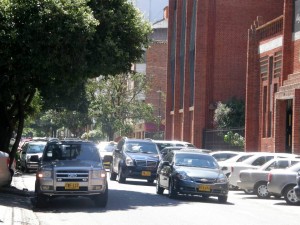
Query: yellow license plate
146, 173
71, 186
204, 188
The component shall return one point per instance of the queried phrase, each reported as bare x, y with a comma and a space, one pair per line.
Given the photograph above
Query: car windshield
141, 147
195, 160
85, 152
36, 148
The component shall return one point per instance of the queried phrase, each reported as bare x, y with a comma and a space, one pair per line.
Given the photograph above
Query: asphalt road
136, 203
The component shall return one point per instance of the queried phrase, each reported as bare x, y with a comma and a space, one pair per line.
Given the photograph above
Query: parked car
191, 172
297, 188
29, 149
135, 158
70, 169
257, 179
226, 164
6, 174
255, 161
167, 143
223, 155
282, 182
106, 149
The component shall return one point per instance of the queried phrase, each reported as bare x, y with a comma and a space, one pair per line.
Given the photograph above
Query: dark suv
134, 158
70, 168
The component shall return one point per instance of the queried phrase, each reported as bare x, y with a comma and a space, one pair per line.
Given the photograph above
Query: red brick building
156, 70
273, 82
207, 59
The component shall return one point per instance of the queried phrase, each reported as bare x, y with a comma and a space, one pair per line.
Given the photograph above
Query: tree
231, 115
54, 45
115, 103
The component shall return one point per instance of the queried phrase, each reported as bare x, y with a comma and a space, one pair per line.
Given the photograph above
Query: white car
161, 144
255, 161
106, 149
257, 179
282, 182
223, 155
226, 164
5, 173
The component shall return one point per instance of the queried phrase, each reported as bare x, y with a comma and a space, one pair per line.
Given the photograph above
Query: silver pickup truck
70, 168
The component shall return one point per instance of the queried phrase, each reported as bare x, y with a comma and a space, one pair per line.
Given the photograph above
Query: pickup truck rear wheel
101, 200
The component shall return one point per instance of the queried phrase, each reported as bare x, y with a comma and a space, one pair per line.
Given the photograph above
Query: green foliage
115, 103
234, 139
230, 114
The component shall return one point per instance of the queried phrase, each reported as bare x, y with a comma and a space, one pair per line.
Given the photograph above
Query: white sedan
5, 172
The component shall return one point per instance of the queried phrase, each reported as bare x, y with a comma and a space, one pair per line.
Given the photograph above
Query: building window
192, 52
265, 115
277, 64
264, 64
172, 58
182, 52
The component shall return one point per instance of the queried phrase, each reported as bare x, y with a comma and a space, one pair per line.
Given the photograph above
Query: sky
151, 9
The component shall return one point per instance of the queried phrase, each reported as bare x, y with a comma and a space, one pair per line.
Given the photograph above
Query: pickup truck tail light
269, 177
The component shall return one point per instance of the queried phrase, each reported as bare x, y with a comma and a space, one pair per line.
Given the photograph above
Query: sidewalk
15, 204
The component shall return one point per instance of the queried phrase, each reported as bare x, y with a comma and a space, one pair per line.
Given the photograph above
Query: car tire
150, 181
121, 177
261, 190
101, 200
248, 191
172, 190
159, 189
222, 199
205, 197
289, 195
112, 174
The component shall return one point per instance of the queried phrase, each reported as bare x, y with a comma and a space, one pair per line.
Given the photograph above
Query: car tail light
232, 169
269, 177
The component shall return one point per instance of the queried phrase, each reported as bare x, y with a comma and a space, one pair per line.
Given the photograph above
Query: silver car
282, 182
29, 149
257, 179
5, 173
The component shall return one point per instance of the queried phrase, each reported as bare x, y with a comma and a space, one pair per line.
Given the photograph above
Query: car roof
191, 151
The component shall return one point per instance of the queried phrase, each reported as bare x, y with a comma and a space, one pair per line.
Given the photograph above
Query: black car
191, 172
297, 188
134, 158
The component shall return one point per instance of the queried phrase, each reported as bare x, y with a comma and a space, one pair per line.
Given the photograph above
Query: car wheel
248, 191
172, 190
205, 197
222, 199
121, 177
261, 190
159, 189
290, 196
151, 181
101, 200
112, 174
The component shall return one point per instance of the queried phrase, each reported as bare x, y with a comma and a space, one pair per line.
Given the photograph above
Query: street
136, 203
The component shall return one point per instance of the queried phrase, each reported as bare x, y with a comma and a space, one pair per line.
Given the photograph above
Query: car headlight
45, 174
98, 174
222, 179
129, 161
183, 176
